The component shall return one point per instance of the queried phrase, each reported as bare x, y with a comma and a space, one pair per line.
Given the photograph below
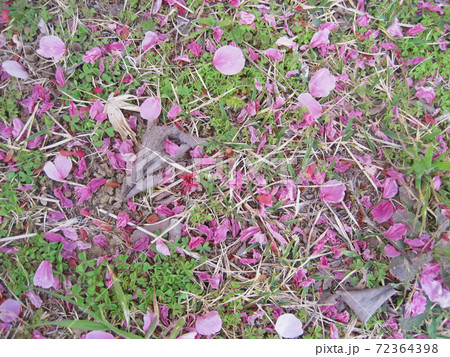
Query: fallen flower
51, 47
59, 77
58, 170
173, 112
394, 30
171, 147
122, 219
289, 326
383, 211
229, 60
312, 106
208, 324
96, 335
396, 231
320, 38
15, 69
44, 275
274, 54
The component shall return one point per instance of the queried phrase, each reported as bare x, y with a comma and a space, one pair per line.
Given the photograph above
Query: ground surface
308, 185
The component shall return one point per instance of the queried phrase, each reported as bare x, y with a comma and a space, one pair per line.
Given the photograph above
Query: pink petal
312, 106
122, 219
99, 335
162, 248
396, 231
9, 310
141, 244
215, 281
44, 275
218, 32
437, 182
320, 38
332, 191
51, 172
148, 320
100, 240
188, 336
363, 20
173, 112
416, 306
51, 47
208, 324
394, 30
229, 60
151, 108
432, 286
63, 165
274, 54
15, 69
289, 326
383, 211
34, 299
390, 251
426, 93
171, 147
285, 41
322, 83
416, 29
390, 188
151, 38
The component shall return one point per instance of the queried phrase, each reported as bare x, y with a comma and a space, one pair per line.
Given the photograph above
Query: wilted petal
274, 54
390, 188
416, 306
289, 326
100, 240
383, 211
151, 38
99, 335
9, 310
426, 93
320, 38
394, 30
229, 60
312, 106
162, 248
173, 112
59, 77
148, 320
218, 32
122, 219
15, 69
51, 47
332, 191
34, 299
433, 287
322, 83
171, 147
416, 29
390, 251
396, 231
437, 182
44, 275
151, 108
208, 324
334, 333
363, 20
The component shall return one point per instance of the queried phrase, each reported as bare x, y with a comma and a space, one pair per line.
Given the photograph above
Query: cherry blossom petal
173, 112
34, 299
332, 191
312, 106
390, 251
60, 169
162, 248
171, 147
122, 219
416, 306
394, 30
51, 47
9, 310
426, 93
322, 83
416, 29
99, 335
433, 287
274, 54
396, 231
289, 326
148, 320
208, 324
437, 182
229, 60
320, 38
44, 275
151, 108
390, 188
59, 77
15, 69
285, 41
383, 211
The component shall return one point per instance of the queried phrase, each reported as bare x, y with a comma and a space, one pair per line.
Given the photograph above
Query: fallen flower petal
332, 191
171, 147
229, 60
34, 299
312, 106
97, 335
151, 108
58, 170
416, 306
426, 93
208, 324
396, 231
9, 310
162, 248
15, 69
274, 54
390, 251
51, 47
44, 275
320, 38
122, 219
173, 112
394, 30
390, 188
383, 211
289, 326
322, 83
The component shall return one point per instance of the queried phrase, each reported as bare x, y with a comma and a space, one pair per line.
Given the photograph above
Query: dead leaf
366, 302
113, 107
152, 158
